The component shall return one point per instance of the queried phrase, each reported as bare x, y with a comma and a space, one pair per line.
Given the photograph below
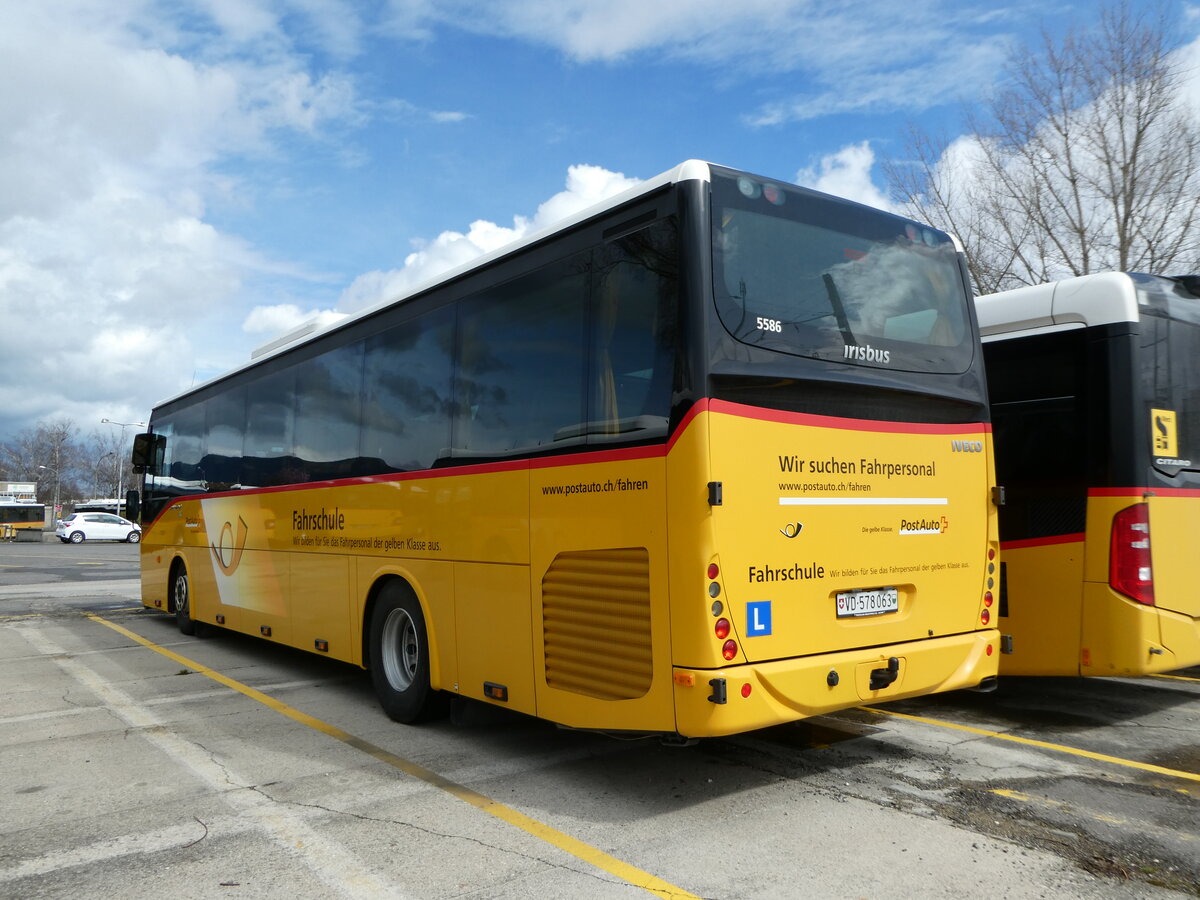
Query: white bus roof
1057, 305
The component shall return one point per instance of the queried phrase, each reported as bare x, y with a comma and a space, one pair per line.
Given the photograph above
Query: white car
97, 526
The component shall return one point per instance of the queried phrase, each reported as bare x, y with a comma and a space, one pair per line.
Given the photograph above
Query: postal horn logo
791, 529
228, 549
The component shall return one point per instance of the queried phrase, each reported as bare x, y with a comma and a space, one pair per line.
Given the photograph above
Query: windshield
812, 275
1169, 338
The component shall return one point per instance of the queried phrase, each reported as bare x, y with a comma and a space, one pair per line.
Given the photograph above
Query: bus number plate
867, 603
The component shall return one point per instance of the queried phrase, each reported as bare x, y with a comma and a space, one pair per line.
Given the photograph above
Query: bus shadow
1055, 705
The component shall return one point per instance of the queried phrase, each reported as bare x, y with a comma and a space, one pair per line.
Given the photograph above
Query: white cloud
284, 317
857, 54
112, 282
585, 186
846, 173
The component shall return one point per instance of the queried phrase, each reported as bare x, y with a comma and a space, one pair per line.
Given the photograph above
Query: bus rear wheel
182, 600
399, 654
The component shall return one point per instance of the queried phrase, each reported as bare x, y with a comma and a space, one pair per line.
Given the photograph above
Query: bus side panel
1174, 529
320, 601
1044, 605
598, 574
493, 628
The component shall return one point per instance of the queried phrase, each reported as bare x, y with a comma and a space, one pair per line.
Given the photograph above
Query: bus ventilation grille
596, 623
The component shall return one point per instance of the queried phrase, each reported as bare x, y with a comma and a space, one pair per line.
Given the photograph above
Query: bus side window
633, 333
521, 361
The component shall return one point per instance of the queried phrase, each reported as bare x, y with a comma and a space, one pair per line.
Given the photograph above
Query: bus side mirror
148, 453
133, 506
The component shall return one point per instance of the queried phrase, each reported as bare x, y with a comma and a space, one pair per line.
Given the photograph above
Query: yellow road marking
550, 835
1178, 678
1047, 803
1044, 745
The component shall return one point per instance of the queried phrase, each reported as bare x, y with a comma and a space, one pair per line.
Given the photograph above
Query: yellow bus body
1081, 625
578, 587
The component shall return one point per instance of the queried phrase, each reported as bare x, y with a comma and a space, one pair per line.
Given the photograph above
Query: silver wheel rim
400, 649
181, 593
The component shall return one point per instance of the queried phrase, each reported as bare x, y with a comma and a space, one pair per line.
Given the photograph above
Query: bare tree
106, 463
49, 454
1086, 160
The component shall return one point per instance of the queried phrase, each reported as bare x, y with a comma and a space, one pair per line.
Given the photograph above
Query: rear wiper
839, 310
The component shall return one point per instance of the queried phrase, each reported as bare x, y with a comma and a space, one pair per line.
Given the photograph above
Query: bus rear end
1141, 609
848, 533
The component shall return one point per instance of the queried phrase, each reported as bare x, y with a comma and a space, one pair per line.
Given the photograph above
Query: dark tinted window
328, 397
1170, 355
633, 334
520, 362
267, 450
811, 275
1040, 395
406, 401
187, 448
225, 420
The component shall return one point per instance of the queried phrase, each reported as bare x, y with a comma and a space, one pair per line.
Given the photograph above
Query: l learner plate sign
867, 603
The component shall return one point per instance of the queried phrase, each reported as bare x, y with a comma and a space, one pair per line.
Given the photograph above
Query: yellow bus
20, 515
1093, 384
710, 457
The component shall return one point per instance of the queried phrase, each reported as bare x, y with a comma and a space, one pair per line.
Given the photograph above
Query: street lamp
121, 461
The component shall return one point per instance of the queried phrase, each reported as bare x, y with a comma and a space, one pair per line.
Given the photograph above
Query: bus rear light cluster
1129, 569
722, 627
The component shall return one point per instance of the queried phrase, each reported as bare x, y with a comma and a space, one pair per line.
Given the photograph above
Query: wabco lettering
867, 353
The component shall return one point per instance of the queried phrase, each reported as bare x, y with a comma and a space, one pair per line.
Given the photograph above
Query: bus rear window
811, 275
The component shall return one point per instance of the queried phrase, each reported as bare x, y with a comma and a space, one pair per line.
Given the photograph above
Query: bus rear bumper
1127, 639
716, 702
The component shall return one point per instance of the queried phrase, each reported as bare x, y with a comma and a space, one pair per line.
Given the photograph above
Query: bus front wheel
399, 654
182, 599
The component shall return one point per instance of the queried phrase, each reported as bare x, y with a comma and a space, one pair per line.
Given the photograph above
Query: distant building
19, 490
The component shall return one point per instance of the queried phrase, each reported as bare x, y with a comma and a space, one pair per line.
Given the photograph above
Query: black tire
399, 654
134, 537
77, 537
181, 598
64, 540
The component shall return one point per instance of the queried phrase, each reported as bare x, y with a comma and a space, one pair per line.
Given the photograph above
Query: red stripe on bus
792, 418
1140, 493
1043, 541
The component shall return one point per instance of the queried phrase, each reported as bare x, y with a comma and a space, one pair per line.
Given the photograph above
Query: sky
183, 181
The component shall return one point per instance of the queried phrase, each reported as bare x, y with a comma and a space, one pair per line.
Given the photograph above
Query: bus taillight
1129, 554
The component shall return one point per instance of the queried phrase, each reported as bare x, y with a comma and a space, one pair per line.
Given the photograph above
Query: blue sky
182, 181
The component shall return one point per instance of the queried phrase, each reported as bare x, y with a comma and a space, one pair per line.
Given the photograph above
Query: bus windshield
1170, 371
815, 276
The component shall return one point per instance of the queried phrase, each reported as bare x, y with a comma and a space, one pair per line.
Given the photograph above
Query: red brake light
722, 628
729, 649
1129, 554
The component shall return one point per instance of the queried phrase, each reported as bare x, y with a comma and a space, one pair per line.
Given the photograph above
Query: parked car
97, 526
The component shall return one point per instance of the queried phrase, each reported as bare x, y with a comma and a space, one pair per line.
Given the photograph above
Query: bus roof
1080, 302
689, 170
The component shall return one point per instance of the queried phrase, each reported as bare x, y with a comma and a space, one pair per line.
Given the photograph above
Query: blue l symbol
758, 618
